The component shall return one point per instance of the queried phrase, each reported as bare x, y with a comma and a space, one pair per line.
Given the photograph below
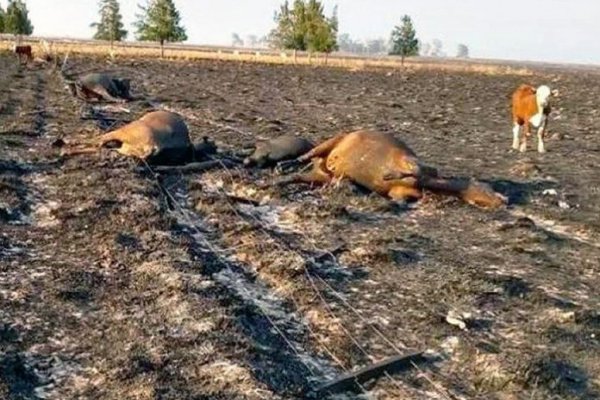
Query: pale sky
536, 30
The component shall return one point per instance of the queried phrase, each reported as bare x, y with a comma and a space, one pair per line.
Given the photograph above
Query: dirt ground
119, 283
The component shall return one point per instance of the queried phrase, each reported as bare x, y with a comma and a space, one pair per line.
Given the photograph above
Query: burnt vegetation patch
218, 285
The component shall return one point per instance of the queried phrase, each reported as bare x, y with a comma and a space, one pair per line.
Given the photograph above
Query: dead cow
23, 52
98, 86
159, 137
530, 106
282, 148
384, 164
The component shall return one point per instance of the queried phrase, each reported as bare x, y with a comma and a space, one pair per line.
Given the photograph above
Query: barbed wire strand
207, 243
264, 228
314, 287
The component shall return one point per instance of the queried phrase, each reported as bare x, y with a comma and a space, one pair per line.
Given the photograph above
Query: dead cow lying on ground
23, 52
384, 164
99, 86
530, 106
159, 137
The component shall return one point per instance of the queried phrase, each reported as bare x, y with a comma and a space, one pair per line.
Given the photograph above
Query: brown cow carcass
158, 137
386, 165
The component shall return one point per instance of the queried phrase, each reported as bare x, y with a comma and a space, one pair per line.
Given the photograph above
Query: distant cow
23, 51
530, 106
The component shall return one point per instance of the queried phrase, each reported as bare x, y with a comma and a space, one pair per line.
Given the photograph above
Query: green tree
1, 19
279, 36
290, 32
160, 21
16, 18
404, 42
329, 33
305, 27
110, 26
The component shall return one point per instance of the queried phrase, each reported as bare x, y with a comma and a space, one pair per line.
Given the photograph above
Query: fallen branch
351, 380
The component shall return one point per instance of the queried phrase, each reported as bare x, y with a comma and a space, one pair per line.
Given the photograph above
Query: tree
333, 24
404, 42
1, 19
160, 21
436, 48
321, 32
305, 27
252, 41
110, 26
376, 46
349, 45
290, 32
236, 40
359, 48
345, 42
264, 41
16, 18
462, 51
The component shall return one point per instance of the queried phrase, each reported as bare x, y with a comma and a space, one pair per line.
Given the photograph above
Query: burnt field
120, 283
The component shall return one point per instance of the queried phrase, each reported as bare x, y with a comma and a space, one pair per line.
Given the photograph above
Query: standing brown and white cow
530, 106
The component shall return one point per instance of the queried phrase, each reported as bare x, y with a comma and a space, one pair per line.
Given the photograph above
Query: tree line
15, 19
300, 26
158, 20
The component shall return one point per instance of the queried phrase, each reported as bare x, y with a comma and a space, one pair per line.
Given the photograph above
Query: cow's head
543, 94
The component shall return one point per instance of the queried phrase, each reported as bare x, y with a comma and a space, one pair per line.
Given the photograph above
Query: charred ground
116, 283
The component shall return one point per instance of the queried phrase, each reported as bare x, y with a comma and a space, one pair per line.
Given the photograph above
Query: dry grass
185, 52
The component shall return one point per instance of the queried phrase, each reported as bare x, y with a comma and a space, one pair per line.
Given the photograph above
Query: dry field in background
119, 284
189, 52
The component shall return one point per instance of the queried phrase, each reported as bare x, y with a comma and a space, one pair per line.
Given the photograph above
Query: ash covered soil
118, 283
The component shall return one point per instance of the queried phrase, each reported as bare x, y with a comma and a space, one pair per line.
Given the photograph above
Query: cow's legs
317, 175
403, 193
540, 136
524, 136
516, 131
323, 149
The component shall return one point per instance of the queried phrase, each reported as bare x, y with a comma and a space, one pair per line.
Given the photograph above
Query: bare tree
236, 40
252, 41
437, 48
462, 51
376, 46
